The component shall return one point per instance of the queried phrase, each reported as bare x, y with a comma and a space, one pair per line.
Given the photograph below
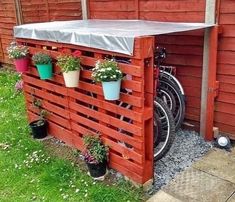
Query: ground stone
187, 148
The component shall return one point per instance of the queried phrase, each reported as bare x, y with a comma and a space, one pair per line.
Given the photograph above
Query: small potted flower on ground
43, 64
95, 156
19, 54
39, 127
108, 73
70, 66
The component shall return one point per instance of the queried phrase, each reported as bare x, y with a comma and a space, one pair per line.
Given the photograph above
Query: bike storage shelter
70, 112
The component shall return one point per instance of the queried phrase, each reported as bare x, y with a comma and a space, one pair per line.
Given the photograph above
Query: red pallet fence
74, 112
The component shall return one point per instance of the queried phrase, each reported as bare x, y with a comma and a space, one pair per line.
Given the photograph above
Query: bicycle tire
179, 113
173, 79
162, 110
168, 97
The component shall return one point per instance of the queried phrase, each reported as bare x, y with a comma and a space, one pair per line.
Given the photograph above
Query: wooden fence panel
74, 112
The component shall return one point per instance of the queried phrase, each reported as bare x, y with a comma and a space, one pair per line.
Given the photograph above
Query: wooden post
18, 12
208, 73
84, 9
48, 10
137, 9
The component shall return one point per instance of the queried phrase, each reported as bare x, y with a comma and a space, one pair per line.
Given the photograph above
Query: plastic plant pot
22, 65
71, 78
45, 71
97, 170
39, 131
111, 90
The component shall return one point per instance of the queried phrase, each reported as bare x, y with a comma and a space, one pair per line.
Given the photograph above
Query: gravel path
187, 148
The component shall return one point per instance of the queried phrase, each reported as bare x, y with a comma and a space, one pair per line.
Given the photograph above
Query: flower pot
97, 170
22, 65
71, 78
44, 70
111, 89
39, 131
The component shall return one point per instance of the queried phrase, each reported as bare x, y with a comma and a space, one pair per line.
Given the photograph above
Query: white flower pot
71, 78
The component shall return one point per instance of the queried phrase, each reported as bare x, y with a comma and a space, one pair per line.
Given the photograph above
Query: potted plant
108, 73
70, 66
19, 53
95, 155
39, 127
43, 64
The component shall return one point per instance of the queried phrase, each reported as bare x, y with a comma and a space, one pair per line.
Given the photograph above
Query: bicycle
170, 88
164, 124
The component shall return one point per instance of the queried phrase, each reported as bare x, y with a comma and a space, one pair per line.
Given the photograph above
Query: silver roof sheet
112, 35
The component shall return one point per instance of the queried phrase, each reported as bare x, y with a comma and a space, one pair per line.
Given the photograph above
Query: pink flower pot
22, 64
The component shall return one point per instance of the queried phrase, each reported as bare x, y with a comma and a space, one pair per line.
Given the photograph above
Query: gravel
188, 147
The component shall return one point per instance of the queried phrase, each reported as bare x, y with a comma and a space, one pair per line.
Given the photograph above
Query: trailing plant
69, 62
41, 59
42, 112
16, 51
95, 151
106, 71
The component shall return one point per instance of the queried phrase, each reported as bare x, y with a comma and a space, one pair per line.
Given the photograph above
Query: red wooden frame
70, 114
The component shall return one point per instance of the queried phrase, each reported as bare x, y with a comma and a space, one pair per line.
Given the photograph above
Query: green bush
41, 59
68, 63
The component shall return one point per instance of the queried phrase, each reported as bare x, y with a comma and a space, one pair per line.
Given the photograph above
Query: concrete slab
194, 186
231, 199
162, 196
218, 163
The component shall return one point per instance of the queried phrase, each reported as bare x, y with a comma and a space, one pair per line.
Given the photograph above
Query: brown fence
77, 111
30, 11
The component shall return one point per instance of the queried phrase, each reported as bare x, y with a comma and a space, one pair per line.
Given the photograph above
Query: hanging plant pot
111, 89
71, 78
22, 64
45, 71
97, 170
39, 128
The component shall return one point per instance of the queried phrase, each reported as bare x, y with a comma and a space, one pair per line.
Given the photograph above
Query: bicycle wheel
167, 97
179, 112
173, 79
162, 139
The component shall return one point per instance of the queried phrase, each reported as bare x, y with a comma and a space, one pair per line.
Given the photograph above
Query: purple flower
19, 85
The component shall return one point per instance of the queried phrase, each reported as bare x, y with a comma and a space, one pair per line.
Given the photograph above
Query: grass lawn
29, 173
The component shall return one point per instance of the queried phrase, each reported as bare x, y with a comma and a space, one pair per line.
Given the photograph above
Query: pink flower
66, 51
77, 53
19, 85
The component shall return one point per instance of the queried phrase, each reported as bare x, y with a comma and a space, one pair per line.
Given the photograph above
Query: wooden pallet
74, 112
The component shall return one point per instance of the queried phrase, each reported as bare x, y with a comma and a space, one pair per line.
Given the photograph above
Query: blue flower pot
111, 90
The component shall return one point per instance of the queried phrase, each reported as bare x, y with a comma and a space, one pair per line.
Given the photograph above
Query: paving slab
162, 196
218, 163
196, 186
